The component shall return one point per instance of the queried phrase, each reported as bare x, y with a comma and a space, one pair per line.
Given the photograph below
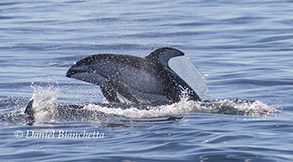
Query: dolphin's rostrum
147, 80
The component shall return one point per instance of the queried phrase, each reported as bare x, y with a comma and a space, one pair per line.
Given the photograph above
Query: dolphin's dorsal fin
29, 112
163, 55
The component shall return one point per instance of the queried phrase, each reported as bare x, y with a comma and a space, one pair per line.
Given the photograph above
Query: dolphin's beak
76, 69
69, 73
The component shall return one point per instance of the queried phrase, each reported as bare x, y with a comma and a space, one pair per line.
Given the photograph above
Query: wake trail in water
47, 109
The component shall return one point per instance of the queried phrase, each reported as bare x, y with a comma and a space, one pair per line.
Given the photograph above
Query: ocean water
244, 49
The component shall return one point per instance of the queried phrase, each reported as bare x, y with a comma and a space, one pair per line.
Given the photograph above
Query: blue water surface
243, 48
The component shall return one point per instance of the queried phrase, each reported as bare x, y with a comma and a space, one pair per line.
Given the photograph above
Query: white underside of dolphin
140, 80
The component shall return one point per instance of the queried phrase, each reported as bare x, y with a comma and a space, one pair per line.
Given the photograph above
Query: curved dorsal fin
163, 55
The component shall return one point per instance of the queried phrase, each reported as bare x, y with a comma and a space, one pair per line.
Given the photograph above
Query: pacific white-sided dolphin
147, 80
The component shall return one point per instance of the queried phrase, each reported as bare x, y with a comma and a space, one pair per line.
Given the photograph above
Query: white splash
191, 75
185, 106
45, 103
46, 108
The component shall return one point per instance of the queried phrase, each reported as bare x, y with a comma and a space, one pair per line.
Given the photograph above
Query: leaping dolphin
147, 80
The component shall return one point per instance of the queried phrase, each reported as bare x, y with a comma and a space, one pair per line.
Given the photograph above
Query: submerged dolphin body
147, 80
